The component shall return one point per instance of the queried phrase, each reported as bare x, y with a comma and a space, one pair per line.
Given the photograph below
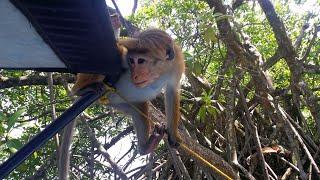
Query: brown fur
151, 45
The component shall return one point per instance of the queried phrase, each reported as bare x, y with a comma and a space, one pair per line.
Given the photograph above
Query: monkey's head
115, 20
150, 54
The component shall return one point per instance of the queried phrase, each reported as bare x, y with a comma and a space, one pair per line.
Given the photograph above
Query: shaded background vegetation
250, 95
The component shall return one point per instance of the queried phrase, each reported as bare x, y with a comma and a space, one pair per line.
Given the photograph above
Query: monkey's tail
64, 154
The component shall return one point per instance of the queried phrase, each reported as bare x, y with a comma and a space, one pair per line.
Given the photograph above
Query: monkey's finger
104, 100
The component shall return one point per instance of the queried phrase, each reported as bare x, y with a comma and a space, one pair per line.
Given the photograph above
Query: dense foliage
250, 95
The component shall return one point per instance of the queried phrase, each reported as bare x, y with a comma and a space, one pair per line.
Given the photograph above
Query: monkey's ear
170, 53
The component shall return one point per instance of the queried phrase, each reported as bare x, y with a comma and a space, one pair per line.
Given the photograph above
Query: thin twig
255, 133
312, 41
122, 18
287, 174
245, 171
177, 162
300, 140
135, 6
103, 152
290, 164
271, 171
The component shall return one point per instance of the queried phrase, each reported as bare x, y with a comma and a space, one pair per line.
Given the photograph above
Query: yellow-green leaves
14, 145
13, 118
209, 35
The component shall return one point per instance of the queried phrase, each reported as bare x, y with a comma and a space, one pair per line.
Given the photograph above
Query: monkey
152, 61
116, 24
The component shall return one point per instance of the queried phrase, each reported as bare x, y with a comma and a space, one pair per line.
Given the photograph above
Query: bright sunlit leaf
14, 145
12, 119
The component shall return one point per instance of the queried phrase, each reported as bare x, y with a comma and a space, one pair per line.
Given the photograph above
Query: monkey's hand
83, 81
104, 100
123, 52
154, 139
173, 139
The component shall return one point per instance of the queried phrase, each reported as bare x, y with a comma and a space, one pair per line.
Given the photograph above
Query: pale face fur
145, 68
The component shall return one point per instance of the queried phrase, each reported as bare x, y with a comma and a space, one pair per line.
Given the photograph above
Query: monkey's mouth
141, 83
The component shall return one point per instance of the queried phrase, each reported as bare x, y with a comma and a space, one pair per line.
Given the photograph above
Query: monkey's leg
146, 142
154, 139
173, 116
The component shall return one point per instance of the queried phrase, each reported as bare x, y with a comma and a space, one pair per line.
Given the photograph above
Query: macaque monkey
116, 24
152, 62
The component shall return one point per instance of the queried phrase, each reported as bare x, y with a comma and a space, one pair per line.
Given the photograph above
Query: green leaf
197, 68
23, 167
212, 110
14, 118
35, 155
187, 56
209, 35
202, 112
2, 116
14, 145
188, 59
2, 130
2, 143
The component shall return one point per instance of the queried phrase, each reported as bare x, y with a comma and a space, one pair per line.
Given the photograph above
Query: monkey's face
144, 69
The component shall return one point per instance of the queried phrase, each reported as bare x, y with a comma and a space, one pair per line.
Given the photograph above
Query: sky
125, 6
309, 5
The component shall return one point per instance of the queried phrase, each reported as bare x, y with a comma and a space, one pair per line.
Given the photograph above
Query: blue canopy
58, 35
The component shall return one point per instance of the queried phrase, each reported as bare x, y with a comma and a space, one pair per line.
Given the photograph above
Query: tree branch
305, 26
312, 41
135, 6
34, 80
103, 151
309, 68
213, 158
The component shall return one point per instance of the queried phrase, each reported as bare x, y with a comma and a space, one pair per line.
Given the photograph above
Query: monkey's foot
154, 139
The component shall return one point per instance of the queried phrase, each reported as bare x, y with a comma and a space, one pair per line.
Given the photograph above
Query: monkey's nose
135, 77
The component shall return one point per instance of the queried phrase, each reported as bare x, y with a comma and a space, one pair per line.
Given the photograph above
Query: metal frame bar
93, 92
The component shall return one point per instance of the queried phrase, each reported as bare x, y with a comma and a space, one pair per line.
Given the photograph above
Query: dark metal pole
93, 92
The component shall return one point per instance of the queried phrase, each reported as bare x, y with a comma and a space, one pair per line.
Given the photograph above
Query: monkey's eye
141, 61
131, 60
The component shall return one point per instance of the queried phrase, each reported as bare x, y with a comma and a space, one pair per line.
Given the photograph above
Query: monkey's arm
172, 106
129, 43
84, 79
